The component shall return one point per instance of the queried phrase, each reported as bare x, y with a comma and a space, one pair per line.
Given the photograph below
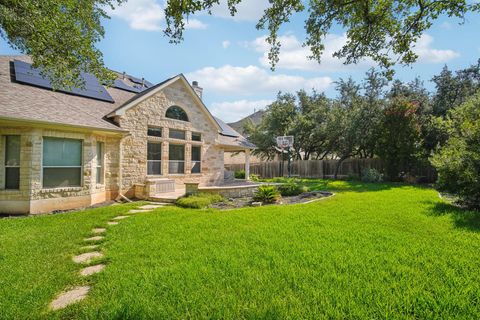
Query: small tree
400, 140
458, 162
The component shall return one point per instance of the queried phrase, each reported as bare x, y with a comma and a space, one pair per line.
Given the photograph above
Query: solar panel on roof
25, 73
119, 84
140, 81
226, 129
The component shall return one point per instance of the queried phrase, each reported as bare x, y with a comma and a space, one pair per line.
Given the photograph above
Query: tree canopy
60, 35
384, 31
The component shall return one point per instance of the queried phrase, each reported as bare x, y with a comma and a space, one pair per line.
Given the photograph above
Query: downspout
120, 174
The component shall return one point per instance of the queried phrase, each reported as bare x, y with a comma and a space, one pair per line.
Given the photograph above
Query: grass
371, 251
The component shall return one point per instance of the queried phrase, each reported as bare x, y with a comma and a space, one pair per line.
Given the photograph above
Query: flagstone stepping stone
95, 238
94, 246
67, 298
120, 217
151, 206
87, 257
138, 211
99, 230
92, 270
112, 223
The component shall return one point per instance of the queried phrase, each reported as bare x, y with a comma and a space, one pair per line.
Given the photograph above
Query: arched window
177, 113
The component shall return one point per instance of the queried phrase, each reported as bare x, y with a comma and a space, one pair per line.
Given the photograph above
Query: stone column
165, 158
247, 164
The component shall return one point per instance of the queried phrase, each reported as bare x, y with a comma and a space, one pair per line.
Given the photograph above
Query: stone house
67, 149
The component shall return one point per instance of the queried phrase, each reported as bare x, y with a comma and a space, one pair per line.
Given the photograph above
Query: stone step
69, 297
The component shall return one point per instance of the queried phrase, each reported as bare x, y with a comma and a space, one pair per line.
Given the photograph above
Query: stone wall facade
32, 197
151, 113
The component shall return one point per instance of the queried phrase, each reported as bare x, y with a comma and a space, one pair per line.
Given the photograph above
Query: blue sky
227, 55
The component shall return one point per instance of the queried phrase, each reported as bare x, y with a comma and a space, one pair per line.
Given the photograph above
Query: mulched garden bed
234, 203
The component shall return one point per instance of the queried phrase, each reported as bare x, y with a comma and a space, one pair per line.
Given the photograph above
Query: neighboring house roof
230, 137
255, 118
27, 103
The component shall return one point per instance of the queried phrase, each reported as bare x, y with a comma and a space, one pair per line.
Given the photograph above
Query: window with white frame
176, 157
100, 172
196, 159
154, 158
62, 162
12, 162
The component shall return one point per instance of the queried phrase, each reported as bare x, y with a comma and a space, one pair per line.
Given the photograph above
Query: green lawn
371, 251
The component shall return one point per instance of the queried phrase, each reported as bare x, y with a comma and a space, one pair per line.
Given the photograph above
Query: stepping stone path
95, 238
120, 217
91, 270
87, 257
151, 206
94, 246
69, 297
79, 293
138, 211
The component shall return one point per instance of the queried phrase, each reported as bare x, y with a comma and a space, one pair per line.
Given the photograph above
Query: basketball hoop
284, 142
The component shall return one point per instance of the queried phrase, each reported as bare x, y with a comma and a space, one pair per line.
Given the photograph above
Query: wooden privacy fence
325, 169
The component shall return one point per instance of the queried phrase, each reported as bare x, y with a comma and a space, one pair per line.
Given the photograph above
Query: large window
176, 157
62, 162
177, 113
196, 159
176, 134
12, 162
154, 158
100, 162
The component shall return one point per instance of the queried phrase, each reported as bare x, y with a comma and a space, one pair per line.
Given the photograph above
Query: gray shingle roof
29, 103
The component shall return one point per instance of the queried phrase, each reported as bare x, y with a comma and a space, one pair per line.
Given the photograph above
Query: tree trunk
337, 168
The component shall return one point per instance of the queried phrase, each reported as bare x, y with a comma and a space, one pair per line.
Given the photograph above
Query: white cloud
231, 111
226, 44
140, 14
247, 10
427, 54
252, 80
294, 56
195, 24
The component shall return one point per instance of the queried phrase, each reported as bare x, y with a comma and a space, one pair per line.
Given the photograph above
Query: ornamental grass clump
267, 194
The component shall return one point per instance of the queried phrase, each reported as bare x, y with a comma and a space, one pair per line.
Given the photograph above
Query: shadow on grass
344, 185
462, 218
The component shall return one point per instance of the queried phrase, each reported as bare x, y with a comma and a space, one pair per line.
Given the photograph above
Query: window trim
102, 163
199, 133
183, 161
196, 161
81, 165
5, 166
183, 109
178, 130
154, 127
160, 161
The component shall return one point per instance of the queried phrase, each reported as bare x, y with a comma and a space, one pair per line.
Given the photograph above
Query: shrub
254, 177
291, 189
372, 175
199, 201
240, 174
458, 162
267, 194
